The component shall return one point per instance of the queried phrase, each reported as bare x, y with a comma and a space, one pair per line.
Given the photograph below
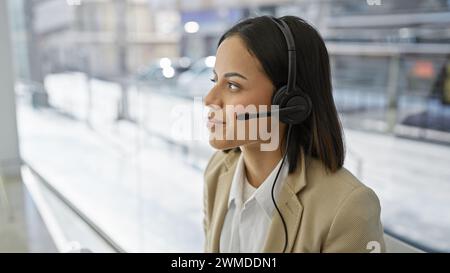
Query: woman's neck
259, 164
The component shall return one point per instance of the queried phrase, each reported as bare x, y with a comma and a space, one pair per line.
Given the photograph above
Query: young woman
297, 197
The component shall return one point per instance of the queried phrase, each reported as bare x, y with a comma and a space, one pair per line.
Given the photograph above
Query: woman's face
239, 82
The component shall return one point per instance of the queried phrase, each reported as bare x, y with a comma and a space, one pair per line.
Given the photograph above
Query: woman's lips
213, 122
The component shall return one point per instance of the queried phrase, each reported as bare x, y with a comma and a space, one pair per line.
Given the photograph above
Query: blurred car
434, 115
163, 72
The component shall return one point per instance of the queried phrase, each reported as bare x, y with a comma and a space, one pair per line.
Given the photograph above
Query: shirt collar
237, 183
263, 193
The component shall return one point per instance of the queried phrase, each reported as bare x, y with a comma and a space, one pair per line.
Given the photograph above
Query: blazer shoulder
338, 188
346, 211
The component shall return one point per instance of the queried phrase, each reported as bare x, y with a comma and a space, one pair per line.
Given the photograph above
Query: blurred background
88, 158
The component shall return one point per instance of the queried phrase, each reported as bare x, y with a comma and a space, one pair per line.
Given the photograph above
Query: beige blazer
323, 212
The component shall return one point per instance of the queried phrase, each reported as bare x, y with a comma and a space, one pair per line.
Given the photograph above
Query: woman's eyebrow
232, 74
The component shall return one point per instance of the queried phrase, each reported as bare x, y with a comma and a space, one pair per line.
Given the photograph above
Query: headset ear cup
302, 101
295, 98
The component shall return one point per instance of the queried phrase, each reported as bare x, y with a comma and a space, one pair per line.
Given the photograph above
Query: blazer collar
291, 209
288, 203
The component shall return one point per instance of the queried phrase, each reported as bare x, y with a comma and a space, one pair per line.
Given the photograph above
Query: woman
296, 197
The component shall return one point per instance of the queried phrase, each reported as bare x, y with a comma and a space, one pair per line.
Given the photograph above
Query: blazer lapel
291, 209
221, 201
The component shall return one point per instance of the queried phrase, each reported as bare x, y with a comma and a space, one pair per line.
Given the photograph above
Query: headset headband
292, 58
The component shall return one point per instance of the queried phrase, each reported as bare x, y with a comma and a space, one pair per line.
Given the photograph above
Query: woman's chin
226, 144
220, 144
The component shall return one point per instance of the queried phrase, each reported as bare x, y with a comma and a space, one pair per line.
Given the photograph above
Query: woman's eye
233, 86
230, 85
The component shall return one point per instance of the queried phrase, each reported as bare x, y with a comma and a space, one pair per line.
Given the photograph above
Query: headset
294, 104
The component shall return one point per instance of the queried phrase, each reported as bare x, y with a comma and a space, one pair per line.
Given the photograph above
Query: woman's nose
212, 99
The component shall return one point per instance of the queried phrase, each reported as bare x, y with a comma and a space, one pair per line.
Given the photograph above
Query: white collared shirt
246, 222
